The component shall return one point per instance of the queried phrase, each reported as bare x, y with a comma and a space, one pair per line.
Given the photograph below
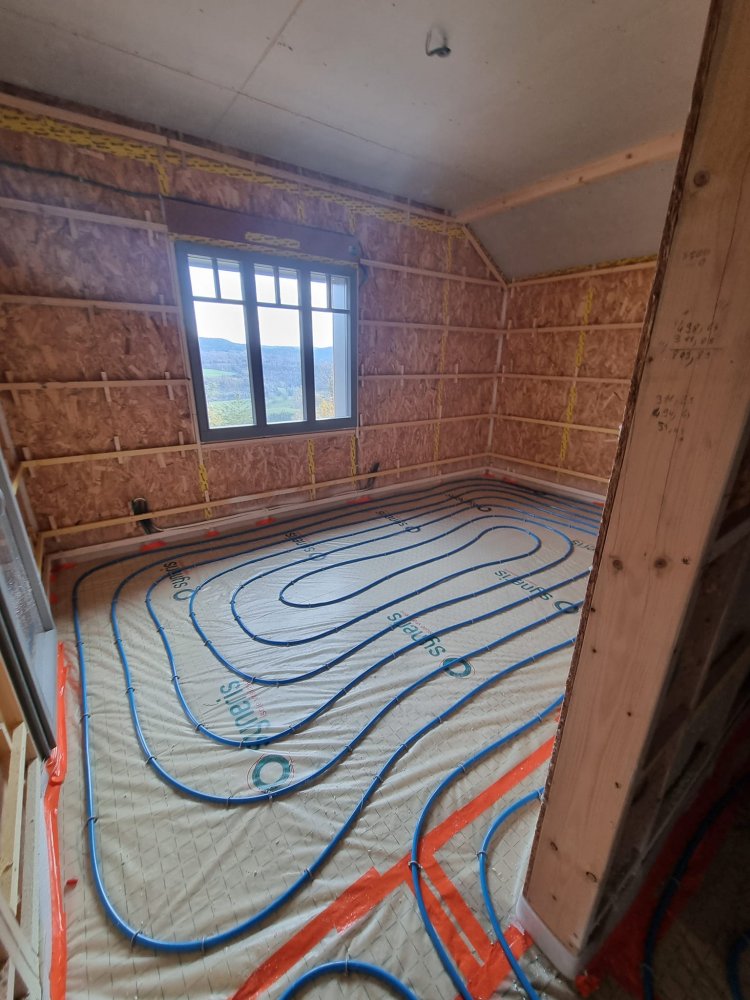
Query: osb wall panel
51, 256
596, 357
73, 344
617, 297
76, 421
72, 258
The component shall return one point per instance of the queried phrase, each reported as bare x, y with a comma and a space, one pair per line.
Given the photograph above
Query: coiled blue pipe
136, 936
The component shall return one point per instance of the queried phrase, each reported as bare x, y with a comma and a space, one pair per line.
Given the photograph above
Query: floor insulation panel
257, 720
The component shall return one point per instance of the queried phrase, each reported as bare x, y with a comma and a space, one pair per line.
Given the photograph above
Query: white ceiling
532, 87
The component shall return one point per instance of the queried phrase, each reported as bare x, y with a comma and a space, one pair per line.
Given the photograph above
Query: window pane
222, 339
281, 353
339, 292
318, 291
331, 364
230, 282
265, 283
288, 286
202, 276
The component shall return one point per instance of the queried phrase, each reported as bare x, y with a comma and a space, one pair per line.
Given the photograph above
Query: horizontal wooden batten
575, 328
583, 272
402, 324
249, 498
117, 455
79, 215
71, 303
429, 376
422, 272
538, 377
106, 384
664, 147
594, 428
550, 468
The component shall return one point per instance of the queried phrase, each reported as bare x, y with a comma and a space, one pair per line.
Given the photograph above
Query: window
271, 342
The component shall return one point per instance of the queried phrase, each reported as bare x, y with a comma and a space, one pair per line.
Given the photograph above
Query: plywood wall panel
591, 453
464, 437
333, 457
609, 353
385, 241
391, 446
74, 422
64, 192
34, 150
474, 305
542, 353
385, 402
256, 466
385, 350
79, 494
464, 397
470, 352
533, 398
393, 295
600, 405
618, 297
466, 260
54, 257
75, 344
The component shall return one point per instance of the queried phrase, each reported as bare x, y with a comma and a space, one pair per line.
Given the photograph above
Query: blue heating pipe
535, 796
414, 864
222, 937
349, 968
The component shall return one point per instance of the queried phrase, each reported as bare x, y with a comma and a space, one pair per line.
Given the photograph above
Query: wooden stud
664, 147
684, 428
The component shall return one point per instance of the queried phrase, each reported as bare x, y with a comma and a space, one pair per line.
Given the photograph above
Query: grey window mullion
254, 357
308, 363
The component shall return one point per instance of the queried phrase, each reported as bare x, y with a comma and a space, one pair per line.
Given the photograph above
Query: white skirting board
568, 964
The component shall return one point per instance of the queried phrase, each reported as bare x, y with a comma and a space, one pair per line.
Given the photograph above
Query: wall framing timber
686, 429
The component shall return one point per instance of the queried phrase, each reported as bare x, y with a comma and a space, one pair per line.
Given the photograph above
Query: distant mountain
225, 373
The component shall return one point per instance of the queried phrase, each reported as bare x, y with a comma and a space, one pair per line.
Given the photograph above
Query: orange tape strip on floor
373, 887
458, 906
497, 967
56, 765
460, 952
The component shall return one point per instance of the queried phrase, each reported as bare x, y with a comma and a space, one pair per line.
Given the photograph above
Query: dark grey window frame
247, 259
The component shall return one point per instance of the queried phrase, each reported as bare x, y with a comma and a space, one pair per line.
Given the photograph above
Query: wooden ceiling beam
664, 147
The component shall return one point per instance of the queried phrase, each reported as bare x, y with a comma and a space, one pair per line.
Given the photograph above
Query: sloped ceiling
531, 88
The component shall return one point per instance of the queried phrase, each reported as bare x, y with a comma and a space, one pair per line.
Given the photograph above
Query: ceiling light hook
436, 43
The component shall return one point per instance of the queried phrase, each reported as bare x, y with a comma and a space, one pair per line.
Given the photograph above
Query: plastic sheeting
244, 691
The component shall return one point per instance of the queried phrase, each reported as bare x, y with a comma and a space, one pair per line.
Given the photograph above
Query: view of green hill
225, 378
